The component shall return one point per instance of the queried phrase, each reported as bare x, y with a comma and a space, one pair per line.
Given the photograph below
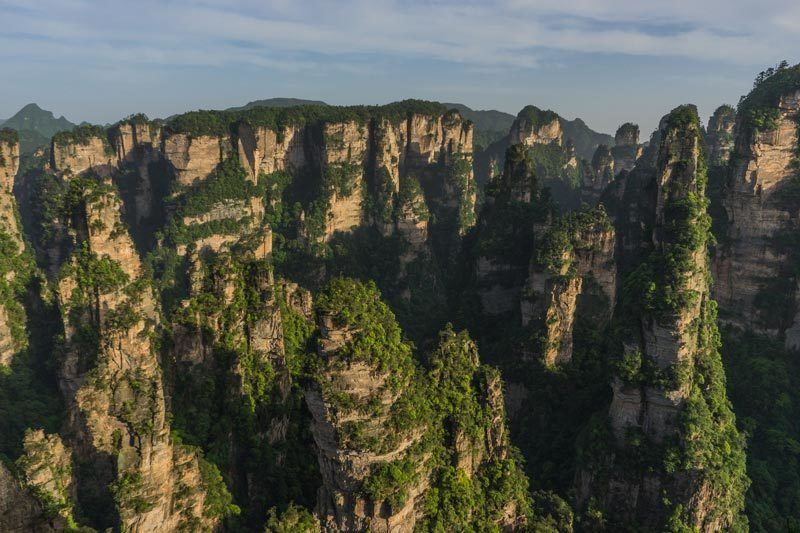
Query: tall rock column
675, 458
515, 208
626, 148
12, 337
720, 135
571, 273
756, 260
111, 378
369, 411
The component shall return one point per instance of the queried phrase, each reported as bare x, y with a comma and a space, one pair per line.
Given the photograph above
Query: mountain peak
36, 126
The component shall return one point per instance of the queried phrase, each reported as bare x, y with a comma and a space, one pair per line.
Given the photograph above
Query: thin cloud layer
513, 33
500, 54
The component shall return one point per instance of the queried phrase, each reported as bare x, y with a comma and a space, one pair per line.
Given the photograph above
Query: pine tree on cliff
672, 458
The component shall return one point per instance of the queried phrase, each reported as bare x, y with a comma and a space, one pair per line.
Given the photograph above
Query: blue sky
606, 61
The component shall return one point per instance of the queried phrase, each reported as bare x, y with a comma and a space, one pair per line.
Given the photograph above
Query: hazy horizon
606, 62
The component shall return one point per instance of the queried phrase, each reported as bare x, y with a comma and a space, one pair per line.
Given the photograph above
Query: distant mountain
277, 102
487, 120
490, 125
585, 139
36, 127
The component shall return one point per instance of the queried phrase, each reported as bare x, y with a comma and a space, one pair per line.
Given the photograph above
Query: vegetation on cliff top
535, 118
759, 108
219, 123
9, 136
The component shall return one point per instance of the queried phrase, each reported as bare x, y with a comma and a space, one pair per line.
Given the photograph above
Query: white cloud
283, 34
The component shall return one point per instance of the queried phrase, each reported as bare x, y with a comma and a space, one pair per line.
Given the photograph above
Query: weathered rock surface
9, 164
669, 353
47, 469
362, 404
576, 275
601, 175
76, 157
9, 226
534, 126
20, 511
720, 137
193, 158
626, 149
504, 246
341, 504
753, 264
115, 400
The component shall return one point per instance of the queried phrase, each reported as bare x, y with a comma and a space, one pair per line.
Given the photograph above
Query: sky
606, 61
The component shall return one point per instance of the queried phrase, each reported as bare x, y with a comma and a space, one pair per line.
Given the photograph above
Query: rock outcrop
601, 175
353, 166
82, 149
352, 441
514, 213
534, 126
21, 511
670, 370
12, 276
720, 138
572, 273
111, 378
626, 148
378, 424
47, 471
9, 164
754, 265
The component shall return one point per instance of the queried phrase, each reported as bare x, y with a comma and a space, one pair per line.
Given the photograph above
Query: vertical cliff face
235, 370
720, 138
111, 377
24, 502
754, 264
602, 172
9, 164
534, 126
46, 467
514, 209
391, 443
20, 510
84, 148
354, 442
14, 279
626, 148
573, 272
344, 163
194, 157
669, 389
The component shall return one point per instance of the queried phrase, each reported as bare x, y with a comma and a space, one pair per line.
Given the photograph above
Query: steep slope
674, 457
755, 266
